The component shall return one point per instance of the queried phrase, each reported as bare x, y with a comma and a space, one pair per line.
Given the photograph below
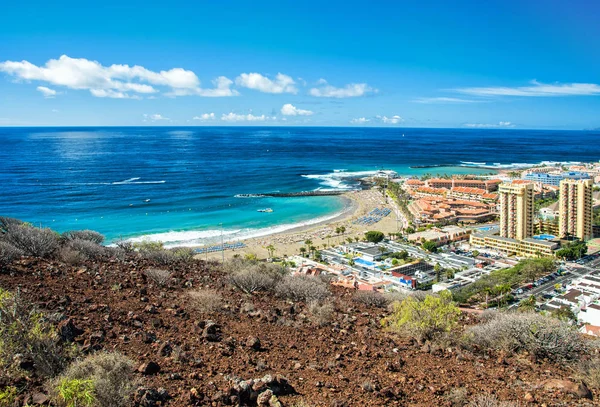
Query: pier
293, 194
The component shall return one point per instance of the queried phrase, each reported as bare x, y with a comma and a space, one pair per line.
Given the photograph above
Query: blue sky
495, 64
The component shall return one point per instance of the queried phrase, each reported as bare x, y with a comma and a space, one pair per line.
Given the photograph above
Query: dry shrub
206, 301
251, 281
370, 299
302, 288
8, 253
252, 276
321, 314
27, 336
589, 372
32, 241
71, 257
184, 254
87, 248
160, 276
111, 376
162, 256
489, 400
458, 396
541, 336
87, 235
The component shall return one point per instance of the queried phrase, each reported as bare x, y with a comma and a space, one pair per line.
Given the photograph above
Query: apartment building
516, 210
576, 208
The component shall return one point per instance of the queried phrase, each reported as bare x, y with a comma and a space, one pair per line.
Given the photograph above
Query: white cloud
489, 126
391, 120
290, 110
348, 91
234, 117
109, 93
205, 116
536, 89
443, 100
114, 81
155, 117
222, 88
281, 84
360, 120
47, 92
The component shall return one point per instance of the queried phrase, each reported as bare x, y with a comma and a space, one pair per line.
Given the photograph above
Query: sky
432, 63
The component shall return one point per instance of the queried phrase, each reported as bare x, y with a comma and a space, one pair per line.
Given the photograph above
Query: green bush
25, 335
572, 251
374, 236
423, 319
102, 379
8, 395
76, 393
525, 270
430, 246
148, 246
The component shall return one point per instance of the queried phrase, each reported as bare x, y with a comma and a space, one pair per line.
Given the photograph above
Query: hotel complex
516, 224
575, 214
516, 207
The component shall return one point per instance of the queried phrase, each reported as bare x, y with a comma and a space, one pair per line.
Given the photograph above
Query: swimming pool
364, 262
544, 237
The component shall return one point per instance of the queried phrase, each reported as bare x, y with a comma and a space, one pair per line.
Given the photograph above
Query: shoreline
288, 242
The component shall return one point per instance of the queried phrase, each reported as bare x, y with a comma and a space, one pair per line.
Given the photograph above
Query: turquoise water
178, 185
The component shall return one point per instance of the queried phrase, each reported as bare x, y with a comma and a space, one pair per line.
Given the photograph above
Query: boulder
149, 368
68, 331
566, 386
253, 343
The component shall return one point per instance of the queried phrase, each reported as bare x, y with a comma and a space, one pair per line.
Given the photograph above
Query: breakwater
291, 194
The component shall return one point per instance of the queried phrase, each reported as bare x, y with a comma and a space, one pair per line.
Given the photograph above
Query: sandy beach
288, 243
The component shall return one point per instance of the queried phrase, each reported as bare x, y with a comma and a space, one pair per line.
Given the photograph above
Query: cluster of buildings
452, 200
516, 234
582, 297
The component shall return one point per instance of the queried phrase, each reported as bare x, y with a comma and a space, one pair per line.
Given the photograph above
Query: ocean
178, 184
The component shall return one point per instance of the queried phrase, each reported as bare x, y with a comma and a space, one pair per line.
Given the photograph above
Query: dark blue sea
179, 184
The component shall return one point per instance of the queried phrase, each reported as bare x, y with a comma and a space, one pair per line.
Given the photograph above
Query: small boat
266, 210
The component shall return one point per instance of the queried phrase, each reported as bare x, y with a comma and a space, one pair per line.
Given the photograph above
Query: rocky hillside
226, 347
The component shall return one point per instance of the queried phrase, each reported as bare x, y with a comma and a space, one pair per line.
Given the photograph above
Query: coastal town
406, 234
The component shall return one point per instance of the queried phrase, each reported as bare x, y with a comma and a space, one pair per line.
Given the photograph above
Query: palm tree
302, 250
349, 240
487, 291
312, 250
356, 239
328, 237
342, 229
307, 243
271, 249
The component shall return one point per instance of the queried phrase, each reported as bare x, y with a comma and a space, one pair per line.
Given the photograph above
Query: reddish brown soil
351, 362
